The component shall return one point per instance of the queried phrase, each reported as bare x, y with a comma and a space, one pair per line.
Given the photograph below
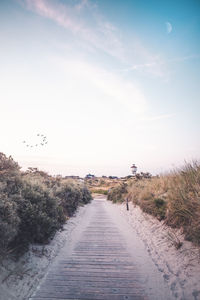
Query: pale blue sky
110, 83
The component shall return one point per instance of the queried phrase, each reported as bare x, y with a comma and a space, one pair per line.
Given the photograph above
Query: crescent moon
169, 27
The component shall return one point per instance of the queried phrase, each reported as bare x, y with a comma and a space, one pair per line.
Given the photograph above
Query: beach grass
172, 197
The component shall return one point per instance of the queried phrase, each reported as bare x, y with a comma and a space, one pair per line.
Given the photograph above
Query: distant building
133, 169
72, 177
89, 176
113, 177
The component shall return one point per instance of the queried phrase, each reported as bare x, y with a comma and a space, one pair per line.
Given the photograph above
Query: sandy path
105, 259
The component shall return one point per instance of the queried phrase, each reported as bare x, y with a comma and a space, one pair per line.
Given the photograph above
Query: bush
33, 204
7, 164
86, 195
39, 212
160, 208
71, 195
118, 193
9, 222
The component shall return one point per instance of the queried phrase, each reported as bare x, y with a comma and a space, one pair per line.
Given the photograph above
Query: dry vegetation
100, 185
174, 198
33, 205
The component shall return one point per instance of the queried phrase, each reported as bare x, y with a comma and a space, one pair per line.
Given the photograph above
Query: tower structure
133, 169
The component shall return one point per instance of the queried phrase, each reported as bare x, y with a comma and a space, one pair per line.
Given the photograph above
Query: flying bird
42, 141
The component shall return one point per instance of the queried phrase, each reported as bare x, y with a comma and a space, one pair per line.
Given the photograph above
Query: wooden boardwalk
99, 266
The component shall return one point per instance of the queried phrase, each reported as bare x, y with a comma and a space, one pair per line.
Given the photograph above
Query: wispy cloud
82, 4
93, 29
83, 19
112, 87
157, 118
94, 33
184, 58
156, 64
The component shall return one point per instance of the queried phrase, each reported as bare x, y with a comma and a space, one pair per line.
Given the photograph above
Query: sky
109, 83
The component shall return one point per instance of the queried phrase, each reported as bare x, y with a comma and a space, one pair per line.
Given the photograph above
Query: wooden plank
89, 296
95, 274
91, 278
115, 268
83, 289
62, 282
93, 263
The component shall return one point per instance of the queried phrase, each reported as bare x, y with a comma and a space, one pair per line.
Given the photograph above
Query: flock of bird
41, 142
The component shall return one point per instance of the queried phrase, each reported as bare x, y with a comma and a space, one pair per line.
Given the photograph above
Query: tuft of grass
173, 238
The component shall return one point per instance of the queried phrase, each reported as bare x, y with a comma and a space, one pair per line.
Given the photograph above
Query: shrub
160, 208
39, 213
33, 204
86, 195
71, 195
7, 164
118, 193
9, 222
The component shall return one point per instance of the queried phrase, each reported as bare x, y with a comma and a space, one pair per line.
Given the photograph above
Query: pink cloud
101, 36
95, 33
58, 13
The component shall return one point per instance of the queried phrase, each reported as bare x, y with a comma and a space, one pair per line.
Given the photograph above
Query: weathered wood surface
99, 266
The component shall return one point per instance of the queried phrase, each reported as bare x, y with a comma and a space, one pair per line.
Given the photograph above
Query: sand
179, 267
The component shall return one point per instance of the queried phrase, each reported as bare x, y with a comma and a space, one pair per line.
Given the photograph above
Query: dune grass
174, 198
